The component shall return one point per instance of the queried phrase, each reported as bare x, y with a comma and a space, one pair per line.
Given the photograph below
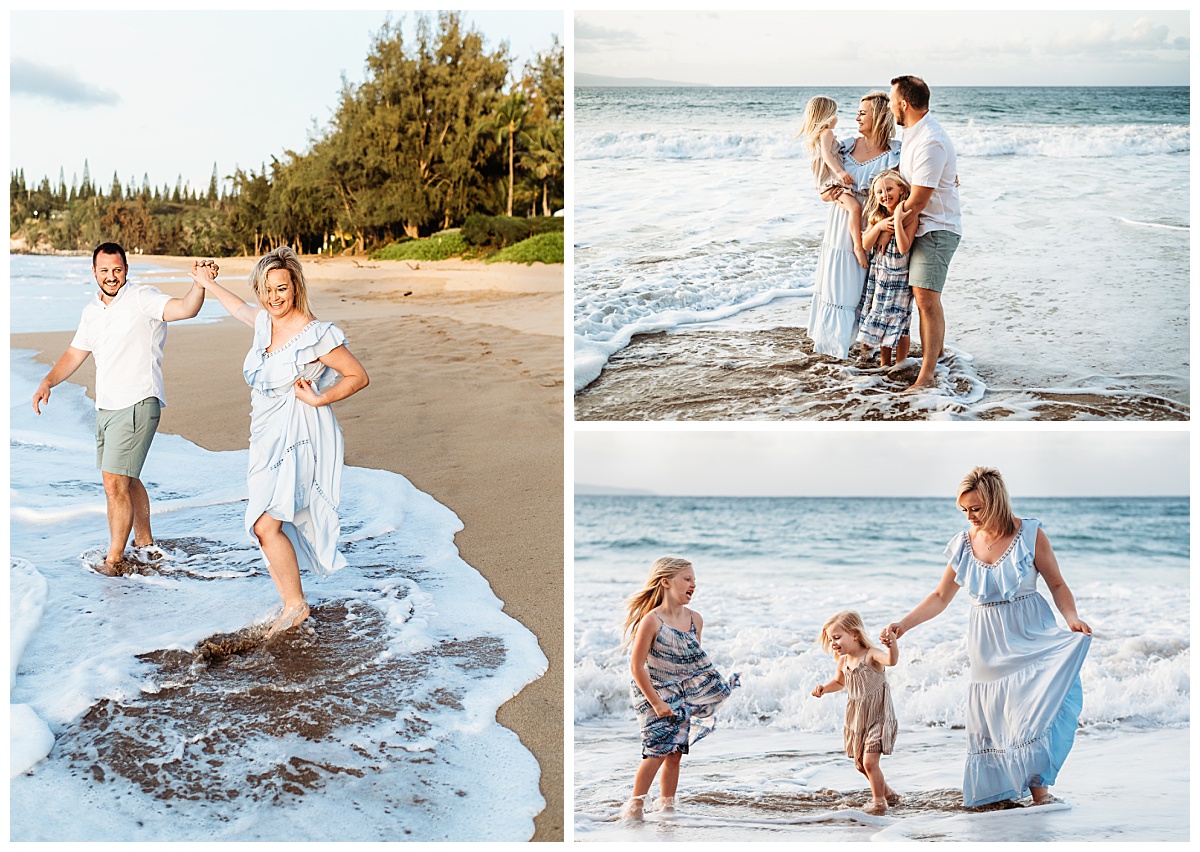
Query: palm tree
509, 120
545, 158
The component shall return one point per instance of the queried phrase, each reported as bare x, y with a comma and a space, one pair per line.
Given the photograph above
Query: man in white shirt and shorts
929, 164
124, 329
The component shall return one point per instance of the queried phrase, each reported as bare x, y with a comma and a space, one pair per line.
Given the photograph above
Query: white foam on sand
414, 751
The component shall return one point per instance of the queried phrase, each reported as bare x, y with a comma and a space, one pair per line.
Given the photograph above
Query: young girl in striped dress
675, 690
870, 720
887, 300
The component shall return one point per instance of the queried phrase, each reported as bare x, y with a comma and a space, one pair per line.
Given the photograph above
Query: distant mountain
610, 491
582, 79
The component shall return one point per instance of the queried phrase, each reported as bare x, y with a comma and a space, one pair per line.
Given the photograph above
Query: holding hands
204, 272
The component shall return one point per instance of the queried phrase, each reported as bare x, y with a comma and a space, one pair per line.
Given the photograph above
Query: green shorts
929, 261
123, 437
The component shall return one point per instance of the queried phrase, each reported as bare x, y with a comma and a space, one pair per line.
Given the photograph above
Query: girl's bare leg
885, 356
285, 571
641, 786
850, 205
669, 782
902, 349
879, 787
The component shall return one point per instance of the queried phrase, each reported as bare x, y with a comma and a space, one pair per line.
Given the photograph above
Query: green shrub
500, 231
544, 248
441, 246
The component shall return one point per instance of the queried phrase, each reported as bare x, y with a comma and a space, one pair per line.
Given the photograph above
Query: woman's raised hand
204, 272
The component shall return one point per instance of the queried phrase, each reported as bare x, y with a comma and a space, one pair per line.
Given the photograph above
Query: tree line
434, 133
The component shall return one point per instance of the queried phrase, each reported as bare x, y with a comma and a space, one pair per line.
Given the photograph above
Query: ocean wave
971, 140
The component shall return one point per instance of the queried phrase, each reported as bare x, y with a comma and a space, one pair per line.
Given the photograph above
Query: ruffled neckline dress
833, 316
1025, 695
296, 449
688, 682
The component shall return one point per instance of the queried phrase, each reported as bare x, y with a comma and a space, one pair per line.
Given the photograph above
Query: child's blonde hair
851, 622
651, 594
818, 115
876, 211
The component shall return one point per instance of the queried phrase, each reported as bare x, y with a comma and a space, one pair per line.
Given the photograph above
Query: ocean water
696, 217
147, 707
770, 571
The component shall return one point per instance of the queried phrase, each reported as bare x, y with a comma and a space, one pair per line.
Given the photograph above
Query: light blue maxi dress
296, 449
833, 317
1025, 694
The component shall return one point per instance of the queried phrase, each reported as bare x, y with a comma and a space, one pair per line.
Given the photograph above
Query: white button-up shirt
126, 337
927, 158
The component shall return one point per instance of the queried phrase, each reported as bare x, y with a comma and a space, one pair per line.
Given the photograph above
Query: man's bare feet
920, 386
878, 807
288, 619
860, 254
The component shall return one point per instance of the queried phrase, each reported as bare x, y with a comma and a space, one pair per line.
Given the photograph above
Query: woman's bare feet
289, 618
892, 797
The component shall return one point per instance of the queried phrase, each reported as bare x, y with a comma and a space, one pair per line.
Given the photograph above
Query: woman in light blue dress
295, 441
840, 278
1025, 695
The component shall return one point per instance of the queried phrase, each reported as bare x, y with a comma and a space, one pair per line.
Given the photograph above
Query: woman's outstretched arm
929, 608
1046, 564
204, 275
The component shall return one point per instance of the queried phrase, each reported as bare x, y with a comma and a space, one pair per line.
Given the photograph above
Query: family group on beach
292, 369
867, 280
1024, 697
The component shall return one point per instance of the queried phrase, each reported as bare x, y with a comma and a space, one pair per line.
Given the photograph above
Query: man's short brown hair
913, 90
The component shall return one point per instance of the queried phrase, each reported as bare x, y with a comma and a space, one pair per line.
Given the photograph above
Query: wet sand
774, 374
465, 361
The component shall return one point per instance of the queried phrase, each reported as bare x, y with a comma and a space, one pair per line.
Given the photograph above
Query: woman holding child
1025, 694
841, 275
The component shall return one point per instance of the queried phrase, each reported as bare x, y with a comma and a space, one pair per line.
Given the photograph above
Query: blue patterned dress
887, 300
1025, 694
686, 680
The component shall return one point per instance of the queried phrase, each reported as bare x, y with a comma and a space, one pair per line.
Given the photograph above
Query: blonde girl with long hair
870, 729
887, 300
675, 690
828, 167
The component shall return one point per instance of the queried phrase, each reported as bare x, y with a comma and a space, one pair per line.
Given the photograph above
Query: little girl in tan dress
870, 720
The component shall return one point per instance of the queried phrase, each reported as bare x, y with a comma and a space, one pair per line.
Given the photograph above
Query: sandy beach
466, 368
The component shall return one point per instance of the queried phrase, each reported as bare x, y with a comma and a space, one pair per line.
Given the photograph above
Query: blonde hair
875, 211
997, 512
281, 258
852, 622
818, 115
883, 125
651, 594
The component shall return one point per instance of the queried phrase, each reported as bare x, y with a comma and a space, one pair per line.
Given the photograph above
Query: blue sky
892, 462
167, 93
861, 47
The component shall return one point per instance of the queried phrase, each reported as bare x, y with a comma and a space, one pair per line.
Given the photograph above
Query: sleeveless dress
833, 317
686, 680
887, 300
1025, 695
296, 449
870, 719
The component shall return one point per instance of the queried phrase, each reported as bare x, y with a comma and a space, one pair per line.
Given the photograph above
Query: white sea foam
102, 663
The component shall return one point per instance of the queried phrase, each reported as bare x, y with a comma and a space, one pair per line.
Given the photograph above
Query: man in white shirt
124, 329
929, 164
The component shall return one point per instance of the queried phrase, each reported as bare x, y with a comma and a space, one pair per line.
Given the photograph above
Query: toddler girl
820, 117
870, 720
887, 300
675, 687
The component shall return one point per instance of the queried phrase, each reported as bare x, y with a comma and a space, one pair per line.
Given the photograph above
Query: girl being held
675, 689
820, 117
870, 720
887, 300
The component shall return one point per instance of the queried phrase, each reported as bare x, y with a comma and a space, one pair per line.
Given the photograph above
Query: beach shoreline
468, 357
